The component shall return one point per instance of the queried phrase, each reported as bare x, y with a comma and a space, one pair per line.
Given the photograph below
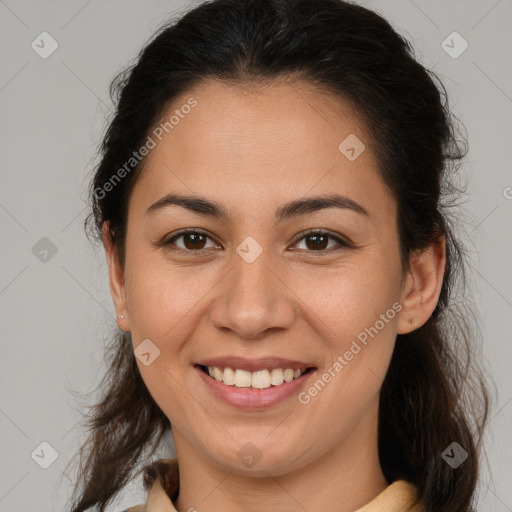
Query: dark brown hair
434, 393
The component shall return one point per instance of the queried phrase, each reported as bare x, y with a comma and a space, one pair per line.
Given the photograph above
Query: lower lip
250, 398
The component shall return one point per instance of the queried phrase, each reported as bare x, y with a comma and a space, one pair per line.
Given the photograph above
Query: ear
422, 286
116, 278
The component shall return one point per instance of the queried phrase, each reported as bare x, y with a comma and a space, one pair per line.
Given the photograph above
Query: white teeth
288, 375
276, 377
242, 379
261, 379
229, 377
218, 374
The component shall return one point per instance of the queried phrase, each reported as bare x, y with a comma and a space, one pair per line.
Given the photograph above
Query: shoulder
166, 473
399, 496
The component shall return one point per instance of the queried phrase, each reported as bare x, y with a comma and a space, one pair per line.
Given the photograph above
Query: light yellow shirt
400, 496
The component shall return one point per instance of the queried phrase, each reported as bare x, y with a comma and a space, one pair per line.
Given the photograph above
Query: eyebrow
207, 207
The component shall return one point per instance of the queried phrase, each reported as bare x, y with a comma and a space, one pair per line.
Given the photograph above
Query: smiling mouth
261, 379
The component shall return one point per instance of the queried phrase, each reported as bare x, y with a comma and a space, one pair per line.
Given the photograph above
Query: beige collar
400, 496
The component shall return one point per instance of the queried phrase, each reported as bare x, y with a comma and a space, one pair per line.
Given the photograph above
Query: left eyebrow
207, 207
313, 204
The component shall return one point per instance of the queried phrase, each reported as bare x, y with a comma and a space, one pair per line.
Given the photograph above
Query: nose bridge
253, 298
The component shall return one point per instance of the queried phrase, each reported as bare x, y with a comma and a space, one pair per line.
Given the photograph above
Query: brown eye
192, 241
318, 241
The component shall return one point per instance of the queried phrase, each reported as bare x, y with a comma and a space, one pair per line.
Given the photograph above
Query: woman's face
252, 289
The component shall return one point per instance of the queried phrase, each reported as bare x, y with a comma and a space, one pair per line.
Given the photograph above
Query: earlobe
116, 278
422, 287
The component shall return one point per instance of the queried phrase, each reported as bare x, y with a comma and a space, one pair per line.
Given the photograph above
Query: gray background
56, 314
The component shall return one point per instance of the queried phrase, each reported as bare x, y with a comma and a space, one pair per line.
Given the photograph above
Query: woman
271, 200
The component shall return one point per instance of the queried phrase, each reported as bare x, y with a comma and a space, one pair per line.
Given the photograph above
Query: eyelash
342, 244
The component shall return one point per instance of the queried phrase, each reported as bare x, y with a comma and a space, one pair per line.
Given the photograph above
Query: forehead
262, 143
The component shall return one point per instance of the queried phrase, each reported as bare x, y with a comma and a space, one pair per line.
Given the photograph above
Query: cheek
163, 302
161, 298
354, 312
350, 298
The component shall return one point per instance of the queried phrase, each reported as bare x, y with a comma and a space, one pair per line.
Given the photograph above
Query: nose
254, 298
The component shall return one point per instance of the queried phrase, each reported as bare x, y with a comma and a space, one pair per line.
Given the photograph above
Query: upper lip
253, 365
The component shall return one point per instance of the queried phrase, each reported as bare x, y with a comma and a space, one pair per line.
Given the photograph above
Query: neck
346, 478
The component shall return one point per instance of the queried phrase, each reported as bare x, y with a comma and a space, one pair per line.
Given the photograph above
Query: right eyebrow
196, 204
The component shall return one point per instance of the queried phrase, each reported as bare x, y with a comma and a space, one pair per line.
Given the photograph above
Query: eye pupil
193, 236
317, 244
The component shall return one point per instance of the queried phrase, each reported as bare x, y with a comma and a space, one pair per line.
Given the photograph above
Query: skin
252, 149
